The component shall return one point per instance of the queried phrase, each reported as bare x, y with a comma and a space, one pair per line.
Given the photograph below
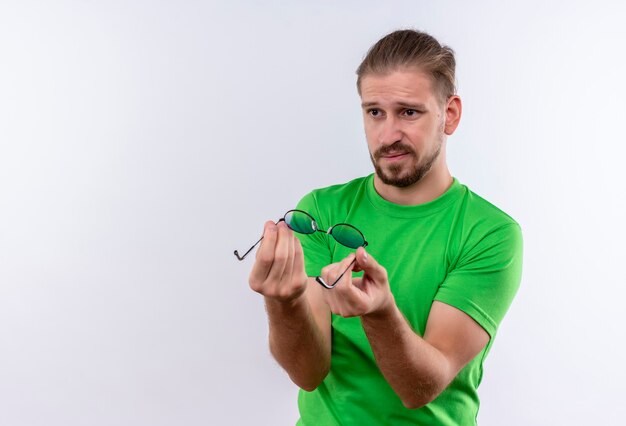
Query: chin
399, 181
400, 178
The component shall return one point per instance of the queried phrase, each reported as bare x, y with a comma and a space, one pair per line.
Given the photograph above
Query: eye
410, 112
374, 112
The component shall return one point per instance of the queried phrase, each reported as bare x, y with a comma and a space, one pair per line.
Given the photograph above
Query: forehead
398, 86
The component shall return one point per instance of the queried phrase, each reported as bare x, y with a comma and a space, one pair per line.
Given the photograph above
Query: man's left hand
366, 295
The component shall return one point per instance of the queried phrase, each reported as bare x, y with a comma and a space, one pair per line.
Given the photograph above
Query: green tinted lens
347, 235
300, 222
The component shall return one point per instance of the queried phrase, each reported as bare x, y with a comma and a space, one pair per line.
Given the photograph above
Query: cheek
439, 123
415, 133
424, 130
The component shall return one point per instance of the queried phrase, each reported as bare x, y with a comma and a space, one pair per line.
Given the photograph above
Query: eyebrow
417, 106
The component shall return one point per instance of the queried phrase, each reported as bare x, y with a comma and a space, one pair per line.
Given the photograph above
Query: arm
418, 369
299, 321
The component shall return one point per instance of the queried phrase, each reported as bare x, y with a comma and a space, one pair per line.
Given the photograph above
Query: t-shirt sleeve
315, 246
486, 278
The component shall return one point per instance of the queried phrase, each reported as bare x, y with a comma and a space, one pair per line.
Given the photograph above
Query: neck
432, 185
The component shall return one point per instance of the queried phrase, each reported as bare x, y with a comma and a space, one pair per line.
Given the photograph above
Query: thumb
369, 265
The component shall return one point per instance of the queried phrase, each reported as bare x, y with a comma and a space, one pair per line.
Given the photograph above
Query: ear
453, 114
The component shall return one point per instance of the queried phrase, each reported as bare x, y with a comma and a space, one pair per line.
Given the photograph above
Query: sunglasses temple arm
255, 244
249, 250
321, 281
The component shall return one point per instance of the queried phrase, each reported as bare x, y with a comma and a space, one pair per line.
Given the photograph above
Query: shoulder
484, 215
485, 232
480, 226
336, 196
333, 204
342, 188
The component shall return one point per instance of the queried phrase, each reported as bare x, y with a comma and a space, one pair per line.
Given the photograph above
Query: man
402, 339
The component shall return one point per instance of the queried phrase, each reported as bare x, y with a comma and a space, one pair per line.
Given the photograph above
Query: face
405, 125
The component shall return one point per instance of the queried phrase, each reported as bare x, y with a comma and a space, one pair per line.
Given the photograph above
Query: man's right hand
278, 271
299, 320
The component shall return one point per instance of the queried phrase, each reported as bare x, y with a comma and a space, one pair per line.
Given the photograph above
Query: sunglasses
303, 223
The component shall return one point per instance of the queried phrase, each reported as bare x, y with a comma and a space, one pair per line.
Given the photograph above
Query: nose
390, 131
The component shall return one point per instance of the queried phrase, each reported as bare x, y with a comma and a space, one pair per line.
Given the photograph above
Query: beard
402, 176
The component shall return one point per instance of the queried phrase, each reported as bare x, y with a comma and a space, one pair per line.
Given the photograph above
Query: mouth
395, 156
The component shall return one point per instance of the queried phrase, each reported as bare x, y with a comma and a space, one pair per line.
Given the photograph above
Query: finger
358, 283
346, 262
265, 254
298, 256
270, 234
369, 265
281, 253
346, 300
290, 259
332, 272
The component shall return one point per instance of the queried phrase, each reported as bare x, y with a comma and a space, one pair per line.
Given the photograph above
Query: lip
395, 157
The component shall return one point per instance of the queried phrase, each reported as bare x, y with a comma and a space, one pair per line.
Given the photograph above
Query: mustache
395, 148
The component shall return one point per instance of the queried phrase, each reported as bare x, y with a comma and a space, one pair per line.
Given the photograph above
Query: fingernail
364, 255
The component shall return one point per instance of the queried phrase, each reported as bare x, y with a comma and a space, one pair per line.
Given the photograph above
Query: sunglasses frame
314, 229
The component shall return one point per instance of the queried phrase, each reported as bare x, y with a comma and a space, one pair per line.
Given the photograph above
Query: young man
402, 336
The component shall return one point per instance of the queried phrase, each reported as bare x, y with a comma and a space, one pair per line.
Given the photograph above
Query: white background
142, 141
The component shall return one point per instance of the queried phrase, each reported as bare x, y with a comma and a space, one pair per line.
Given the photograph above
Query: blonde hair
407, 49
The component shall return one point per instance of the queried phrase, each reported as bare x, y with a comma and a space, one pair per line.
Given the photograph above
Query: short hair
412, 48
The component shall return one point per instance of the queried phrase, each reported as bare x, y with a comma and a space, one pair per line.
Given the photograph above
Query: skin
300, 330
408, 123
401, 108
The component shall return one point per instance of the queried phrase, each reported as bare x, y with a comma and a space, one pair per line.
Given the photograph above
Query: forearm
416, 370
297, 342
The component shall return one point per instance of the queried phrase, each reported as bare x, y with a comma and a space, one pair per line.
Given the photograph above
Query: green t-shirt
458, 249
